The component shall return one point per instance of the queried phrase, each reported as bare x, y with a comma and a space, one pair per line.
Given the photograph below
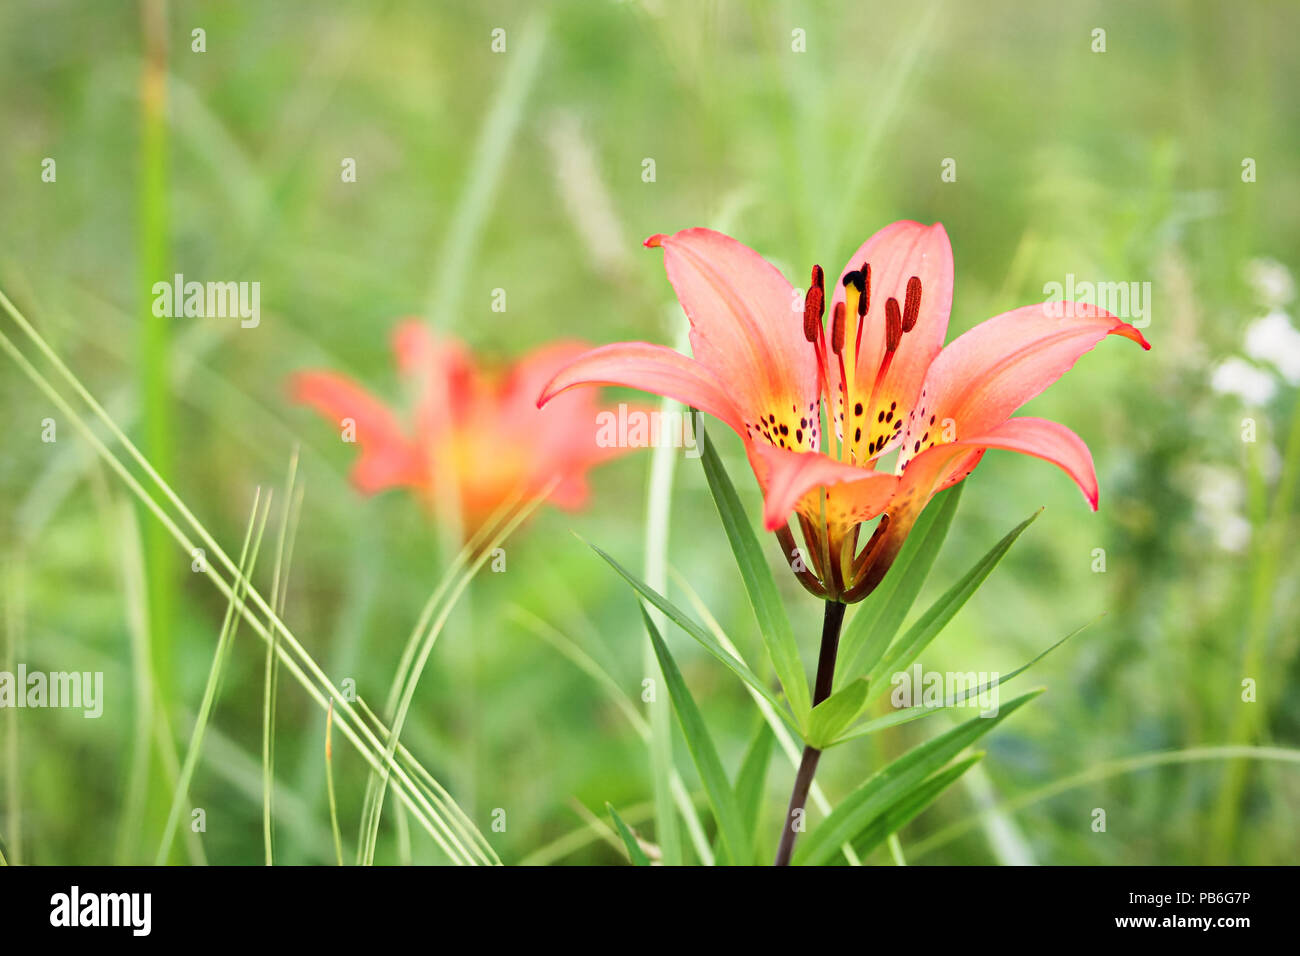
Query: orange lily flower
883, 377
483, 435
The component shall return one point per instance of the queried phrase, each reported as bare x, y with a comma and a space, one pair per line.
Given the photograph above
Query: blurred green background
523, 170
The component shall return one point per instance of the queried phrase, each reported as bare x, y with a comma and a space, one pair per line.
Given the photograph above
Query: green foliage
759, 584
634, 851
523, 171
897, 782
877, 619
726, 809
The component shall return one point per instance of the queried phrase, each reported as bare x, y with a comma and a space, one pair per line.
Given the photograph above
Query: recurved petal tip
654, 241
1131, 332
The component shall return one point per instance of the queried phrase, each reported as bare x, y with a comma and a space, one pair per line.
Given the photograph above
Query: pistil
837, 563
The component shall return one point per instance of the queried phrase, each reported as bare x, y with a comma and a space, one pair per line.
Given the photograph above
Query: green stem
155, 368
831, 625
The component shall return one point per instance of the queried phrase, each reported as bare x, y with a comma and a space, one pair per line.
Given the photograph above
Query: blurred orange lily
482, 437
883, 376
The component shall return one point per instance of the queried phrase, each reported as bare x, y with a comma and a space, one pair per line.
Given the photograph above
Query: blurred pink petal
480, 431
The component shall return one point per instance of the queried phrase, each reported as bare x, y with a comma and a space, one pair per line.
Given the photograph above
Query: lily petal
746, 326
388, 458
561, 438
445, 382
897, 253
651, 368
535, 370
943, 465
788, 479
937, 468
987, 373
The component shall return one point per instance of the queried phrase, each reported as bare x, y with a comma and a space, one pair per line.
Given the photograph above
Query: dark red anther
864, 303
912, 307
814, 305
837, 329
893, 325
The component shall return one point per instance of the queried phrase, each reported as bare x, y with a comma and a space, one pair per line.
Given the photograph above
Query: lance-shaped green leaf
773, 623
630, 842
907, 807
752, 776
831, 716
906, 714
710, 644
878, 618
722, 799
885, 787
907, 648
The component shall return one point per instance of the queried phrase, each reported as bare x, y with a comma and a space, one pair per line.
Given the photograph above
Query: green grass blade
474, 545
483, 173
477, 544
644, 729
630, 843
886, 786
1105, 771
680, 618
663, 770
417, 666
722, 799
773, 623
907, 714
752, 777
155, 356
435, 794
253, 534
131, 562
905, 650
150, 728
329, 786
13, 622
908, 807
299, 663
270, 670
878, 618
780, 729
